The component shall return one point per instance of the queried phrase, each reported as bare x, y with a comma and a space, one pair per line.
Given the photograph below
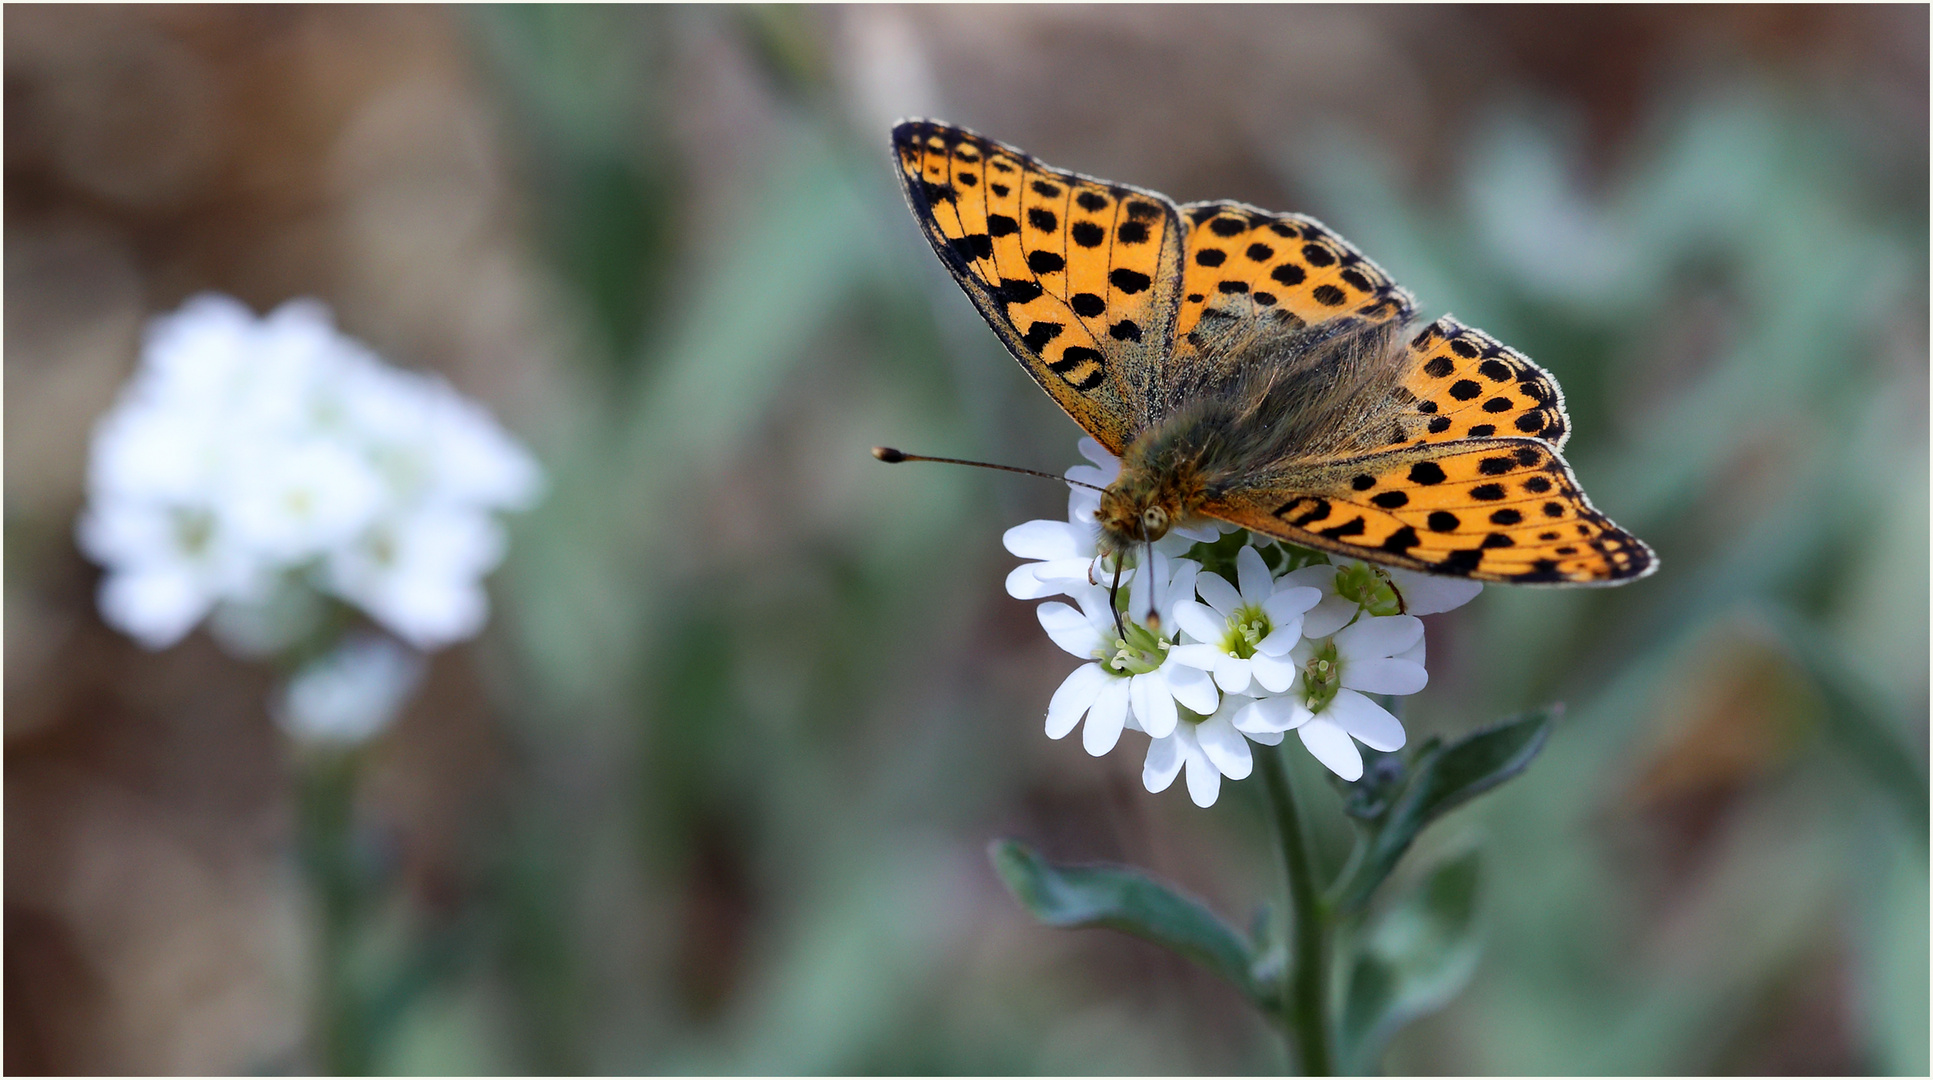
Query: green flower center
1140, 652
1370, 587
1322, 677
1246, 629
193, 530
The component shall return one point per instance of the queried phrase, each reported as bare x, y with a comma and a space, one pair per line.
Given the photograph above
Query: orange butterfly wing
1076, 275
1490, 509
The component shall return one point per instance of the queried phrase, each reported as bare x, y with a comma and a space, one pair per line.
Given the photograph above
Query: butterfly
1255, 368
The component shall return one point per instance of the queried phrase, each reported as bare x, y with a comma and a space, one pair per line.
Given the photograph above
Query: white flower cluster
252, 466
1296, 648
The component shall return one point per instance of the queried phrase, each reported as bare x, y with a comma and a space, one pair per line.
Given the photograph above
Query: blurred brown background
712, 792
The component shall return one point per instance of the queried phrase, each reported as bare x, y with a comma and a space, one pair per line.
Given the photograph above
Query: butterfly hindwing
1469, 385
1489, 509
1248, 274
1076, 275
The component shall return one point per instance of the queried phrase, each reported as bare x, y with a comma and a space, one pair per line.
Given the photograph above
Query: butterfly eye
1154, 521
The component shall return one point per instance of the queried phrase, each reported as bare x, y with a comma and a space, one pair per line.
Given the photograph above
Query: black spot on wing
1040, 333
1045, 262
1353, 527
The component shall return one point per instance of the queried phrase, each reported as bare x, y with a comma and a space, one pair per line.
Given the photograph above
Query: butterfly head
1132, 514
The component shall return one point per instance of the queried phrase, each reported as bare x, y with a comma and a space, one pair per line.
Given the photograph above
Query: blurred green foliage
755, 680
765, 701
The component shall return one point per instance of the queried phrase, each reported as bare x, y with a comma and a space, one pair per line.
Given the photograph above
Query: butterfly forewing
1077, 276
1489, 509
1249, 274
1469, 385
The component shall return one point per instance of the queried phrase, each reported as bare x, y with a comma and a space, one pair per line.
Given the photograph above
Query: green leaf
1412, 961
1123, 898
1440, 779
1862, 726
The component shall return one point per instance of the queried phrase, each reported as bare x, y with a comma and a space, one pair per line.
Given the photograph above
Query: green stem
1305, 1003
327, 799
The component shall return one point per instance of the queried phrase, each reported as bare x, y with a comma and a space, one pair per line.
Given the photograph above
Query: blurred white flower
350, 694
1245, 634
247, 456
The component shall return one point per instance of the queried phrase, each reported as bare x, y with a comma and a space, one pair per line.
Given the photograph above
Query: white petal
1253, 575
1282, 638
1192, 686
1200, 621
1275, 673
1231, 673
1415, 653
1290, 601
1218, 593
1424, 594
155, 606
1106, 717
1378, 636
1175, 543
1022, 584
1154, 706
1069, 575
1332, 746
1093, 451
1204, 779
1088, 474
1384, 676
1331, 615
1070, 629
1181, 588
1224, 746
1271, 715
1200, 531
1163, 764
1200, 656
1266, 738
1140, 599
1320, 577
1366, 720
1076, 693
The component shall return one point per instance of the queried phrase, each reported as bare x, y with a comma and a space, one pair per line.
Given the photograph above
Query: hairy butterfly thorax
1255, 368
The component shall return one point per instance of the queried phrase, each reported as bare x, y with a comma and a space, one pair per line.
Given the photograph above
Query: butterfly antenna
1113, 592
893, 457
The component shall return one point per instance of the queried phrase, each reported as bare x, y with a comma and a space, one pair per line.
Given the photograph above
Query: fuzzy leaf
1123, 898
1440, 779
1412, 961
